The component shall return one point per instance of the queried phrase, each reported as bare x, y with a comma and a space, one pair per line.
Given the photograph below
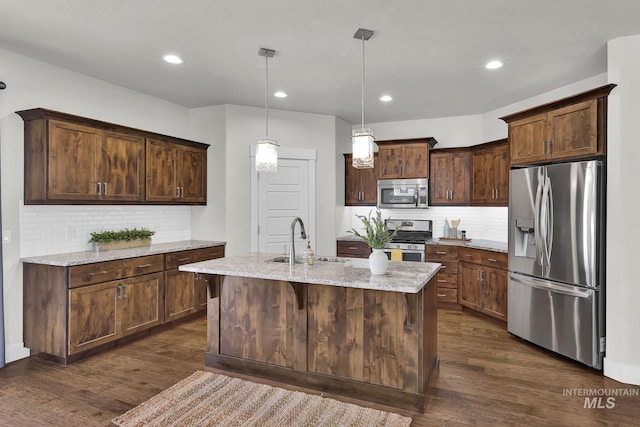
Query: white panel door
283, 196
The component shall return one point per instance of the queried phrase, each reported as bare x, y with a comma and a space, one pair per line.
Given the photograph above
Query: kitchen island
331, 326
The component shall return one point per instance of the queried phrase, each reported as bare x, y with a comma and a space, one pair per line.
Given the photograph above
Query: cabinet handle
99, 189
451, 192
492, 260
183, 259
441, 295
144, 266
442, 280
550, 146
182, 192
493, 193
497, 193
178, 192
124, 291
98, 273
105, 188
353, 248
441, 252
443, 266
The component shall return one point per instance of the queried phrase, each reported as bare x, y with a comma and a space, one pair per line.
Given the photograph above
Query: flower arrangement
376, 234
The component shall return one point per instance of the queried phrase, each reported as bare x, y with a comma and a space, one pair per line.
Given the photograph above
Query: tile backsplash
488, 223
46, 230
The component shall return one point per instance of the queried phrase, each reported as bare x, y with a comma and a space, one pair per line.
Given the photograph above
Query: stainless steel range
410, 239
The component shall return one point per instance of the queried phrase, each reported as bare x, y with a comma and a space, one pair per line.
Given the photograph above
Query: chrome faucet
292, 246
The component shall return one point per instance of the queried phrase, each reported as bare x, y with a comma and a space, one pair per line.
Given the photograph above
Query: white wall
622, 360
290, 129
208, 125
32, 84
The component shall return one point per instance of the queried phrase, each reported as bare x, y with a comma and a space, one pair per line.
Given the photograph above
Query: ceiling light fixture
386, 98
266, 148
280, 94
362, 139
493, 65
173, 59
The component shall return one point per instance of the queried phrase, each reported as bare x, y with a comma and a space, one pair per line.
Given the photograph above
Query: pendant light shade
266, 148
362, 139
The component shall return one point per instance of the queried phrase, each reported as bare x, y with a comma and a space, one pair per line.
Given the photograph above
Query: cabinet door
470, 291
369, 183
192, 171
161, 171
92, 316
415, 163
390, 161
459, 178
439, 178
495, 292
179, 297
574, 130
121, 169
360, 185
74, 151
352, 190
141, 302
501, 175
527, 138
483, 183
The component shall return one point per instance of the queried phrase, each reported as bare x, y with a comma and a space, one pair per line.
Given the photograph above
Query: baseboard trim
623, 372
15, 352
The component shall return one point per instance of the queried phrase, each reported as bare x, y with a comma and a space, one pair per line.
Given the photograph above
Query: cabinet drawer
441, 252
89, 274
353, 249
176, 259
448, 267
470, 255
447, 294
210, 253
142, 265
447, 280
495, 259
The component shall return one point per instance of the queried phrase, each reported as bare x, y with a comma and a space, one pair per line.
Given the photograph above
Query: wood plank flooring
487, 377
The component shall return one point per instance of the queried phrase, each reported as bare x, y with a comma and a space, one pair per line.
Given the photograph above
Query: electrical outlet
6, 236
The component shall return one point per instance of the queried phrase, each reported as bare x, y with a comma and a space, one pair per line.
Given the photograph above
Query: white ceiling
428, 54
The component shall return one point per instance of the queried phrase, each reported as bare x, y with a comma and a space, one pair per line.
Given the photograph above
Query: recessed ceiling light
172, 59
492, 65
280, 94
386, 98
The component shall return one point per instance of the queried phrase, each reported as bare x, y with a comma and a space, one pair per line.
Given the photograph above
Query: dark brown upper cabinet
450, 171
76, 160
360, 185
490, 174
404, 158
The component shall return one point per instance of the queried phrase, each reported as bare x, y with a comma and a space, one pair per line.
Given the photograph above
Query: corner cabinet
407, 158
360, 185
449, 177
570, 128
76, 160
490, 174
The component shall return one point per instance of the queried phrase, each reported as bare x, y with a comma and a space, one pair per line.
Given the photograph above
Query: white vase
378, 262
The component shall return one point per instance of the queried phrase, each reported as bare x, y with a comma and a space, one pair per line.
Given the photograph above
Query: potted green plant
376, 235
122, 239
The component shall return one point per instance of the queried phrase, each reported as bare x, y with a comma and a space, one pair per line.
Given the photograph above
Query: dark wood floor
487, 377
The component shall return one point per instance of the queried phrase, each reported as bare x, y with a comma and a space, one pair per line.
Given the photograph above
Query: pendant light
362, 139
266, 148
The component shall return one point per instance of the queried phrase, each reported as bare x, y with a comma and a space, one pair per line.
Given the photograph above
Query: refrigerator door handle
547, 206
536, 218
546, 286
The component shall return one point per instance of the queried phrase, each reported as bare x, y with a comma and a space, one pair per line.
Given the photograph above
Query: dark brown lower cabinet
483, 282
69, 311
374, 345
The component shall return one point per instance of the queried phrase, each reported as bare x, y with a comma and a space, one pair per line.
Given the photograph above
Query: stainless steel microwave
403, 193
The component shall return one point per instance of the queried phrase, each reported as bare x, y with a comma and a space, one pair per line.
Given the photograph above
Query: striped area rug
208, 399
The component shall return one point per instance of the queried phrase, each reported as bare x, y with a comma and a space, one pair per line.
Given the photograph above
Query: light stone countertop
489, 245
406, 277
90, 257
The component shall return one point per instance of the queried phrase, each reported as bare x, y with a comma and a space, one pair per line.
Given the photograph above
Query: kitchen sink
285, 259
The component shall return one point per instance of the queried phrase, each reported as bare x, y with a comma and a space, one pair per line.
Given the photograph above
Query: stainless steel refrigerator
556, 258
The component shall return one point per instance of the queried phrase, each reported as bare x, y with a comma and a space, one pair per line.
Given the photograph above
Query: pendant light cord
362, 97
266, 94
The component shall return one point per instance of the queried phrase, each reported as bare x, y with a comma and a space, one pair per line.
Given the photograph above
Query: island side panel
429, 337
336, 331
213, 313
258, 320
